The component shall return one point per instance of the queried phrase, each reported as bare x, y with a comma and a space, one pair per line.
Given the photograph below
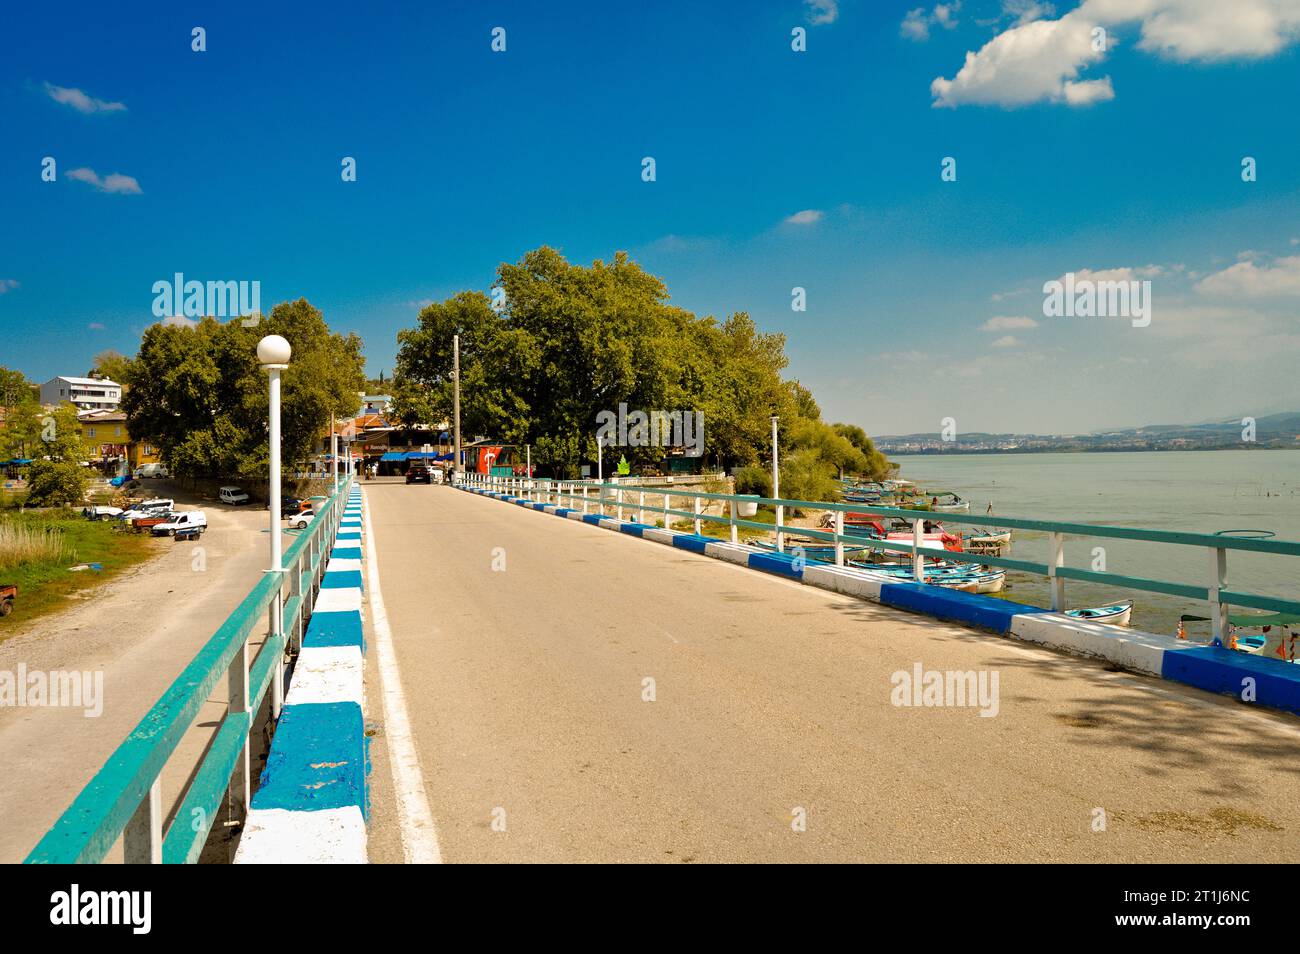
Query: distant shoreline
995, 452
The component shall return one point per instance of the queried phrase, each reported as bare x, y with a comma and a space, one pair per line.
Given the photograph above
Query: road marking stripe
419, 833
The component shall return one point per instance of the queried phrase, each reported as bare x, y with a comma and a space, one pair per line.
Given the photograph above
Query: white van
191, 521
233, 496
151, 470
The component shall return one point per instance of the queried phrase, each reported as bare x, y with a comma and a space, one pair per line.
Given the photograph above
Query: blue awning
393, 455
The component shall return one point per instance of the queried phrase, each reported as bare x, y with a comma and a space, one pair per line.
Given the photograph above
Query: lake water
1201, 491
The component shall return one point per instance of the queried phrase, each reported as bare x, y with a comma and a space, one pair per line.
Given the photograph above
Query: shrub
56, 484
753, 479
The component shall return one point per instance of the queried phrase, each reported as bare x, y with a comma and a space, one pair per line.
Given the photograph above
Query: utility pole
456, 377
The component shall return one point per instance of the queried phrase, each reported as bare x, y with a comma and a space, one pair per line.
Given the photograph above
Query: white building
88, 394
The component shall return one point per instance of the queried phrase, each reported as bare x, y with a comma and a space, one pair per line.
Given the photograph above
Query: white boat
1115, 615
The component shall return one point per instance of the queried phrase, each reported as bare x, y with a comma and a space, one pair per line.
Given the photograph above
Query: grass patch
36, 549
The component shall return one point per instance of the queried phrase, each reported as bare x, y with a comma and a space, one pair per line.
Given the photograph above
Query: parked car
291, 506
233, 496
188, 522
151, 470
301, 520
418, 475
102, 513
8, 593
146, 508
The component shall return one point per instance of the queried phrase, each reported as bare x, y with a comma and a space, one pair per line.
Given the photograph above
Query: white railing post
918, 558
142, 838
1218, 580
731, 519
1056, 558
618, 498
237, 682
780, 535
696, 510
640, 506
839, 537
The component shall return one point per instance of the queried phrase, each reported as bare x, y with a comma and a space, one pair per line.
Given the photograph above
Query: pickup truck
8, 593
189, 523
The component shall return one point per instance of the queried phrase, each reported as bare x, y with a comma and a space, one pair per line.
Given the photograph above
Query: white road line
419, 833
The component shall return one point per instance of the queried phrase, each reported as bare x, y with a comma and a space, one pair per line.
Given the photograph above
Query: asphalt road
527, 695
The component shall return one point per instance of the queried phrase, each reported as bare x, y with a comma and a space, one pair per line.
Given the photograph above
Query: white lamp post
776, 491
273, 354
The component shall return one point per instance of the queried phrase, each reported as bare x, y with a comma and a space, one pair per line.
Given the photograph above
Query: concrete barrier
311, 805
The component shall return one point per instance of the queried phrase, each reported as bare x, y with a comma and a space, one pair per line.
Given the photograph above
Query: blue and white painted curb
312, 806
1266, 682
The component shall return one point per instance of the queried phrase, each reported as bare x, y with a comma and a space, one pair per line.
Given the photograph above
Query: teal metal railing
618, 498
125, 796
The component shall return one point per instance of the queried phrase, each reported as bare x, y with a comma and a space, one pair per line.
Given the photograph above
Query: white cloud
916, 24
1187, 30
1248, 280
806, 217
7, 284
81, 102
180, 321
1007, 341
822, 11
1027, 64
114, 182
1126, 274
1009, 323
1026, 11
95, 326
1040, 60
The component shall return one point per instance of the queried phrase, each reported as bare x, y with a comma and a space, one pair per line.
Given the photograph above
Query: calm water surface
1201, 491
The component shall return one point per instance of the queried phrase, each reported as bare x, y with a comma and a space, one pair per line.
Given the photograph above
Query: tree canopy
556, 344
199, 394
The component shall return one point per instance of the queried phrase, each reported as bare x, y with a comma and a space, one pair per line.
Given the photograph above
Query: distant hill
1271, 430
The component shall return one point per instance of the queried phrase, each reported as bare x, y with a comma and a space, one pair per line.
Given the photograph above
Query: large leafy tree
199, 394
566, 342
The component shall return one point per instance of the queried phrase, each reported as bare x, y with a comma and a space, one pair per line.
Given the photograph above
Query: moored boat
1116, 614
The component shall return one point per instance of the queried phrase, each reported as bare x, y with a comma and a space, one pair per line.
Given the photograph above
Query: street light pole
273, 353
776, 490
334, 450
455, 343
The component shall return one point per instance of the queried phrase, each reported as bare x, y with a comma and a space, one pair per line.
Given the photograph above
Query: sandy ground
140, 631
526, 690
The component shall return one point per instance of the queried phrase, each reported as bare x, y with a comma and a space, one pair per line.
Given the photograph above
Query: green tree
56, 483
113, 365
567, 342
199, 394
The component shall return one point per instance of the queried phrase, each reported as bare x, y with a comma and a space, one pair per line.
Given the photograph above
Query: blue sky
924, 297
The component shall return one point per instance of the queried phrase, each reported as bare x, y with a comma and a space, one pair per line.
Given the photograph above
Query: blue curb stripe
781, 563
318, 759
696, 544
335, 629
345, 553
593, 518
984, 611
635, 529
1221, 670
340, 579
